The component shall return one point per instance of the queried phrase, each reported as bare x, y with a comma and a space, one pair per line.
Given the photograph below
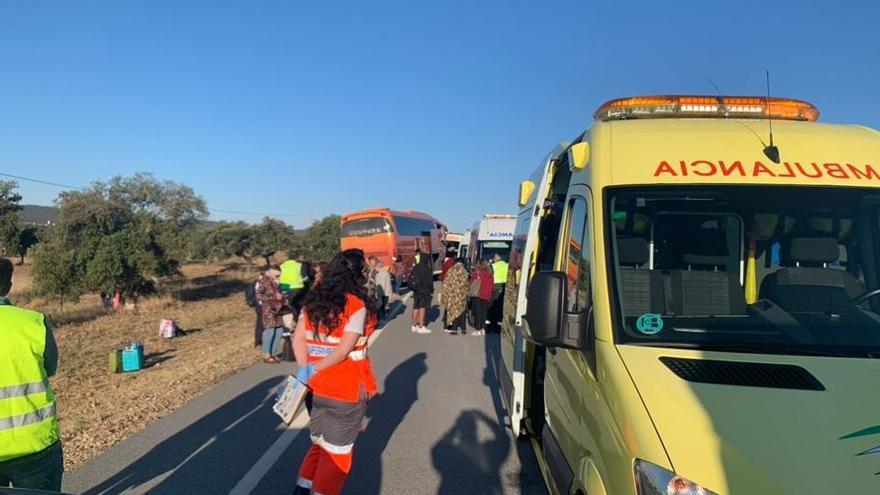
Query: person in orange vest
331, 338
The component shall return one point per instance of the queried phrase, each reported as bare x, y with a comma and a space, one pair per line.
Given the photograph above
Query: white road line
150, 484
255, 474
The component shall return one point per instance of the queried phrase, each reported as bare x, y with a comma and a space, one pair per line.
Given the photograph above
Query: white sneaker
423, 330
414, 329
479, 333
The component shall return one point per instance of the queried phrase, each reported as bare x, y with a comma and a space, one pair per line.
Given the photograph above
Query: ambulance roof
726, 151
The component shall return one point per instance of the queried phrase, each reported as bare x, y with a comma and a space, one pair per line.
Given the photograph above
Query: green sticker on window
650, 323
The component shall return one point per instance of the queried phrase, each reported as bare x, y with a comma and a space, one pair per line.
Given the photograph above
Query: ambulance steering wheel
867, 295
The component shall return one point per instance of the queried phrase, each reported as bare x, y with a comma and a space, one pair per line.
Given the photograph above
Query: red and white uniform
339, 401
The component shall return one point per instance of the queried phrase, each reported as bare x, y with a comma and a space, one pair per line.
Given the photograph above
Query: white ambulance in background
492, 235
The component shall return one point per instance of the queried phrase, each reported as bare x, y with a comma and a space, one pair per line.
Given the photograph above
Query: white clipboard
291, 398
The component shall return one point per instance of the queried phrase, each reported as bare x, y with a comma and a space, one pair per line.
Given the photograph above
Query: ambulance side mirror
547, 322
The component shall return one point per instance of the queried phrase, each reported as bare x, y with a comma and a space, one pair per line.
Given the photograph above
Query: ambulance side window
577, 257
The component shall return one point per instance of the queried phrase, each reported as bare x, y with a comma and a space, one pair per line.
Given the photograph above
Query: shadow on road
529, 479
471, 455
467, 465
391, 406
188, 461
433, 314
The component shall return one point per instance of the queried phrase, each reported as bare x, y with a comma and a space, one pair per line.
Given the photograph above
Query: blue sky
309, 108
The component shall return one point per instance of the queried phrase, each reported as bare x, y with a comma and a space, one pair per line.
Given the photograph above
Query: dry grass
97, 409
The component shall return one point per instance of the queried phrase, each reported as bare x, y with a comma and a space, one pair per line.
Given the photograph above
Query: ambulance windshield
488, 249
792, 270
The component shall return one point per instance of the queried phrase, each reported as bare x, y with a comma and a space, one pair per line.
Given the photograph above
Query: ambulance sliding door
533, 192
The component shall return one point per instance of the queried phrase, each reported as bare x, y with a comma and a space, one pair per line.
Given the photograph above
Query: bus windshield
365, 227
775, 270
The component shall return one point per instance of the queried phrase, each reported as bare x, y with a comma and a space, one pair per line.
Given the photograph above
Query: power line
38, 181
212, 210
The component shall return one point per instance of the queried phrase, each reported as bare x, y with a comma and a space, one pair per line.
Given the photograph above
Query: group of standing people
464, 294
277, 298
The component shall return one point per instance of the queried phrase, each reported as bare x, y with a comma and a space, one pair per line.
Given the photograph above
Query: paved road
435, 427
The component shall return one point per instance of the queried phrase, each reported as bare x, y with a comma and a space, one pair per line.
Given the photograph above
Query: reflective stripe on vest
27, 404
324, 345
291, 275
499, 272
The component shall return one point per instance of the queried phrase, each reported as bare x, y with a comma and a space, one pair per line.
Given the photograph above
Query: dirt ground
97, 409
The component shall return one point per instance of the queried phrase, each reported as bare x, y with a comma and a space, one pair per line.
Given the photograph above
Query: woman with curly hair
331, 341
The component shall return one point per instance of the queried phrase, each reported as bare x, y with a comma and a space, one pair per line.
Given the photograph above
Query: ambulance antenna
721, 98
771, 151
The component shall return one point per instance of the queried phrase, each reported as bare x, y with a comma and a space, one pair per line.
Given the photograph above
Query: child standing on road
331, 340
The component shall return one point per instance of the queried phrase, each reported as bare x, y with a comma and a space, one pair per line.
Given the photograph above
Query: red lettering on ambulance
816, 169
737, 165
684, 170
788, 169
835, 170
665, 168
869, 172
711, 168
760, 168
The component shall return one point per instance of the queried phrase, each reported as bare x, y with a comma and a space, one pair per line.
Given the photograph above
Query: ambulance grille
743, 374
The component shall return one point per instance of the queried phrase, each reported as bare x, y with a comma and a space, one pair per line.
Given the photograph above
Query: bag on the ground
168, 329
474, 288
115, 361
288, 321
291, 396
287, 348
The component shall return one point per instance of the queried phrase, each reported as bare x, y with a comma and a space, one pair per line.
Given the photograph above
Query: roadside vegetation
150, 241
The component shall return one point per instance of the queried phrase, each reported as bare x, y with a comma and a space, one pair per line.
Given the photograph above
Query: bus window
365, 227
409, 226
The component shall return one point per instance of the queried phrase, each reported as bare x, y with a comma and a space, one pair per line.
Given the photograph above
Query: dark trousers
258, 326
496, 306
460, 323
481, 308
294, 300
39, 471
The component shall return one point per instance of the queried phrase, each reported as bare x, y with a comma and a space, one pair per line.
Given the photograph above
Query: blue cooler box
133, 357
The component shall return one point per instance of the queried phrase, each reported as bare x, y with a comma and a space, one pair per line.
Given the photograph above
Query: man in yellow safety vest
499, 278
30, 445
292, 282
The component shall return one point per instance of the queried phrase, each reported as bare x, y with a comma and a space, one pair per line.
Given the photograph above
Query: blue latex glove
305, 373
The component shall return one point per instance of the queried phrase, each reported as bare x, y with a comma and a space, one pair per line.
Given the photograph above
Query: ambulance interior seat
704, 289
807, 284
642, 288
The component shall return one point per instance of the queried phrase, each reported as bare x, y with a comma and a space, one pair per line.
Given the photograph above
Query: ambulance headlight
654, 480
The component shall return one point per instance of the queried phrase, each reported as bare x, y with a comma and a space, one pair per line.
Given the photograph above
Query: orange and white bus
386, 234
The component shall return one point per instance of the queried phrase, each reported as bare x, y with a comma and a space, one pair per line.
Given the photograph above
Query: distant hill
38, 215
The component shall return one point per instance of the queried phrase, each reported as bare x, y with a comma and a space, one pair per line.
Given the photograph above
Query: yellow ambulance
693, 306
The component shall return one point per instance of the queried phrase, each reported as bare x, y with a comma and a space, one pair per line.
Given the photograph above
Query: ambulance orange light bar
738, 107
